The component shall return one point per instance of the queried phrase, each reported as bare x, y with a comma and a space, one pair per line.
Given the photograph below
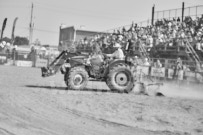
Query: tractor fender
76, 62
115, 62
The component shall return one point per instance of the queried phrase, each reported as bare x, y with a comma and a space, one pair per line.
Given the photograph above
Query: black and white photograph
101, 67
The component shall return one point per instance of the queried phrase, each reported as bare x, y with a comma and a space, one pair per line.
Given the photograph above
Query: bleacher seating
166, 39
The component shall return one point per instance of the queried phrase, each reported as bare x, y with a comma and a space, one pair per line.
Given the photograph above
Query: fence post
183, 8
14, 56
152, 22
166, 63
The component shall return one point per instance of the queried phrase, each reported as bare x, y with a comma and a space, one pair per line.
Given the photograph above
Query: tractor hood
78, 60
79, 57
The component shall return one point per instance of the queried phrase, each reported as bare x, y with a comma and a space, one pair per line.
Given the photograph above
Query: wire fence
23, 59
194, 11
143, 23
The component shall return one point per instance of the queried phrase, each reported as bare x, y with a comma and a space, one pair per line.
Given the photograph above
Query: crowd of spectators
164, 32
5, 46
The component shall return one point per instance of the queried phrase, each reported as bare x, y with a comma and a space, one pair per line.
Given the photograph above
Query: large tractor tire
77, 78
120, 78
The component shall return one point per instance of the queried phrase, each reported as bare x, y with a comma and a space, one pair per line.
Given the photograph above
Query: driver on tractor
97, 57
118, 54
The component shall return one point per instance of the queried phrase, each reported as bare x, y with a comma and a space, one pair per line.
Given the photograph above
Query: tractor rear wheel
77, 78
120, 78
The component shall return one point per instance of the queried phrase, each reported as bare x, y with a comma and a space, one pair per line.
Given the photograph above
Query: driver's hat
117, 45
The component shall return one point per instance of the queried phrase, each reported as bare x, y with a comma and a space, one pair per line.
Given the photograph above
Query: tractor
117, 73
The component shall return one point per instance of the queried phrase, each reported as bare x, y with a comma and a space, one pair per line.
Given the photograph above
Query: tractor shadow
66, 89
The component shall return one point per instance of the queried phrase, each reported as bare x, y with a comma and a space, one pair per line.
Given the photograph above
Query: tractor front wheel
77, 78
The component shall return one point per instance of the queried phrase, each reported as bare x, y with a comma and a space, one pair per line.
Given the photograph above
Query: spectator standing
137, 61
198, 46
118, 54
146, 62
178, 73
158, 64
178, 20
151, 41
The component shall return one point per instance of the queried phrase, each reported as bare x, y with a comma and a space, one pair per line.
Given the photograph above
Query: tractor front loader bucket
46, 72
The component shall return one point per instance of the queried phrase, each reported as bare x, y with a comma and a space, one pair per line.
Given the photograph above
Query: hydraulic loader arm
127, 50
52, 68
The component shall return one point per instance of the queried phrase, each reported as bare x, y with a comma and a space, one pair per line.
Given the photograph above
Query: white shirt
150, 41
118, 54
169, 24
146, 63
198, 46
182, 34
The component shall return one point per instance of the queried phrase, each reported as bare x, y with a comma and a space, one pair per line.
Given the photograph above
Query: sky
94, 15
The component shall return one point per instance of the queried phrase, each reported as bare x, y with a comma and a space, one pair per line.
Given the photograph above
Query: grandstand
172, 37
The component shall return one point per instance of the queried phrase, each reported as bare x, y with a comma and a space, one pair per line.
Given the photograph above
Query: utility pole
31, 26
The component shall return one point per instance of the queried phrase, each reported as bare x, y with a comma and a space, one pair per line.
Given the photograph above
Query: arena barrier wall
41, 63
3, 59
157, 72
168, 74
24, 63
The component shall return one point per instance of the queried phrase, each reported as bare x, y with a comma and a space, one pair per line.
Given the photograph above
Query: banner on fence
199, 77
24, 63
9, 62
143, 70
41, 63
3, 60
170, 73
180, 74
190, 76
158, 72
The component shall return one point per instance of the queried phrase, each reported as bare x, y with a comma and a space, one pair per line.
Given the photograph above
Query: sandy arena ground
32, 105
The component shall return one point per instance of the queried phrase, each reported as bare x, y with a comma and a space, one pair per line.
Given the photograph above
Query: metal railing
193, 11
